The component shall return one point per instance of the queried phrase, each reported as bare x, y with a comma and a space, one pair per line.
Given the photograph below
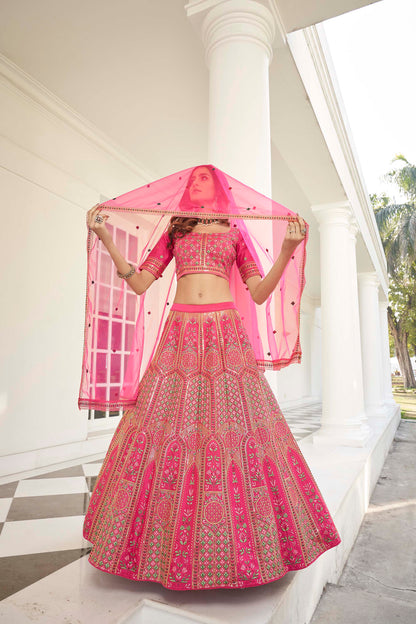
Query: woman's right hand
99, 228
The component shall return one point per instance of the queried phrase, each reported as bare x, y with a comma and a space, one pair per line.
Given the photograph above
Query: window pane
114, 393
118, 302
105, 269
99, 414
116, 335
101, 368
131, 302
102, 338
128, 340
132, 253
121, 241
115, 375
104, 301
101, 393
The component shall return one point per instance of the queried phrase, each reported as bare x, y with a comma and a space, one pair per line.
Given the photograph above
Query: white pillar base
342, 435
377, 411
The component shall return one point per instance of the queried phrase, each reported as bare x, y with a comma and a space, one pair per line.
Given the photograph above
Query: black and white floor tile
41, 516
41, 524
303, 420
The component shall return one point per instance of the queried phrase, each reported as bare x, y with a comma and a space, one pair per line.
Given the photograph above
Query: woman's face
202, 187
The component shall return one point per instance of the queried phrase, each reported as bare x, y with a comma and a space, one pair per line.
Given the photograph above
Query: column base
342, 436
390, 402
377, 411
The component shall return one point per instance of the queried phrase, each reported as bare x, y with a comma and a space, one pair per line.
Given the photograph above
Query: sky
373, 50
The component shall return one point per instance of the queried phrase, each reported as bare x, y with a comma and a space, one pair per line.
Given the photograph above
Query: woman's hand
97, 227
294, 234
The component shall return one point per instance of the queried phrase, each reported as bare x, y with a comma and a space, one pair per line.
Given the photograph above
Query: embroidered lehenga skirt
203, 484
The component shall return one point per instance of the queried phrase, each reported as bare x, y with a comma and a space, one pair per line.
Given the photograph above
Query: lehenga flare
203, 485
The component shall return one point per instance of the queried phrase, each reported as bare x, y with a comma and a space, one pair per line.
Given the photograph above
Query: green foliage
397, 227
402, 298
404, 177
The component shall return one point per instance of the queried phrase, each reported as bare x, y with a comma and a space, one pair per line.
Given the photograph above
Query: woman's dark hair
179, 226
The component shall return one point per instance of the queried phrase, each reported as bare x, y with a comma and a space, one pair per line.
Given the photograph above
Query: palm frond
385, 216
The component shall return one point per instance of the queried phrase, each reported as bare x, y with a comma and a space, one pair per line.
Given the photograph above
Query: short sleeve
158, 258
245, 261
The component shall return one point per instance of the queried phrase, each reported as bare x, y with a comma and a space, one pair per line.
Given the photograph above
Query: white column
341, 381
356, 334
370, 343
238, 37
385, 356
316, 358
305, 331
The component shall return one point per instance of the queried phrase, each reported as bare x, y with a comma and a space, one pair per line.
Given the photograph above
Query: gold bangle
129, 274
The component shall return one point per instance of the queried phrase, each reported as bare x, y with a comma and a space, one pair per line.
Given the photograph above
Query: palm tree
397, 227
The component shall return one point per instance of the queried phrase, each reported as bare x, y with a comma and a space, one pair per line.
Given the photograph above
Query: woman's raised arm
138, 282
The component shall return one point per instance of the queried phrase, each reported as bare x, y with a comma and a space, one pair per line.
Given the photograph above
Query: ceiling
296, 14
136, 69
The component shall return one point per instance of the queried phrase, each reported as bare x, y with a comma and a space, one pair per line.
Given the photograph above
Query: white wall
52, 172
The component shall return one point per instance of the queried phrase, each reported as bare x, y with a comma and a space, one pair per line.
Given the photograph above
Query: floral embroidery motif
182, 555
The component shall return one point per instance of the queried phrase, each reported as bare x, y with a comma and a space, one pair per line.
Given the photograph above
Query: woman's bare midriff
202, 288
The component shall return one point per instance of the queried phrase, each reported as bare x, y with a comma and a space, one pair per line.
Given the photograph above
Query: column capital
219, 23
368, 278
354, 228
334, 213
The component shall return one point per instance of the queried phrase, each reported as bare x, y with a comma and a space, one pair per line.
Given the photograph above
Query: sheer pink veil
122, 330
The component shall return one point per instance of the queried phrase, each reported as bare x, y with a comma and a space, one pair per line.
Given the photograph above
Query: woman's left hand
294, 234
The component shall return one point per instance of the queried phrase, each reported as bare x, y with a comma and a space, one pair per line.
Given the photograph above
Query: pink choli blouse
203, 252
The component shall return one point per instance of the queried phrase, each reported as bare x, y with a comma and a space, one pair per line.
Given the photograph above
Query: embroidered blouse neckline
220, 233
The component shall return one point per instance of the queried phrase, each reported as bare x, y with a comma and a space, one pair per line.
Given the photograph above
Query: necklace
207, 222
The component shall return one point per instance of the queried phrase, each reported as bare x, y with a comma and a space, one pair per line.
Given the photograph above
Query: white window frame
108, 420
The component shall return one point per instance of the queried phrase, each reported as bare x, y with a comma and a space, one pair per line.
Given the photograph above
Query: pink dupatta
122, 329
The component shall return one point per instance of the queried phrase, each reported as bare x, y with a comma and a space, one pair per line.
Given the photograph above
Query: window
115, 318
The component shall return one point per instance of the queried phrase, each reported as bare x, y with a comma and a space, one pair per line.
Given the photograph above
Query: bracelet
129, 274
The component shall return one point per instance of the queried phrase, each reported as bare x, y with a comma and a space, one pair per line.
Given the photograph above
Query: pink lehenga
203, 484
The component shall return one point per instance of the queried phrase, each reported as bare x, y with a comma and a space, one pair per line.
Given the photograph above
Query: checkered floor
41, 516
303, 420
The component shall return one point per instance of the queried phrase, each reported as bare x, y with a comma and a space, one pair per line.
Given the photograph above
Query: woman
203, 484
